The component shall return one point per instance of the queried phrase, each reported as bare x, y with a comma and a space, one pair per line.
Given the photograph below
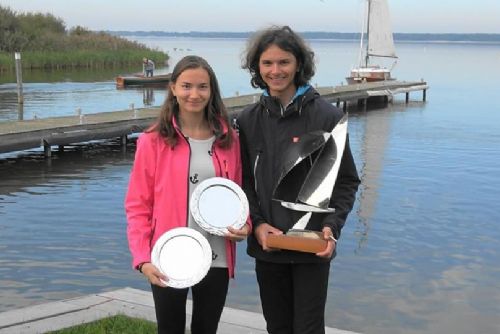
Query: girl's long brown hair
215, 112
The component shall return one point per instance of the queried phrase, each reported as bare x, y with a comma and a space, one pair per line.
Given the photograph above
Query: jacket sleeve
344, 192
248, 183
139, 201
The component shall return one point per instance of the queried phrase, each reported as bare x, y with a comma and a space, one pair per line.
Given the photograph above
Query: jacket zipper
255, 170
226, 169
187, 181
218, 162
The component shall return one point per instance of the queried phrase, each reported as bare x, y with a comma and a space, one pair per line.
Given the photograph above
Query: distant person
148, 67
191, 141
293, 285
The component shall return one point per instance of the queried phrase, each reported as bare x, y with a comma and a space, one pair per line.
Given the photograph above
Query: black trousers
209, 296
293, 296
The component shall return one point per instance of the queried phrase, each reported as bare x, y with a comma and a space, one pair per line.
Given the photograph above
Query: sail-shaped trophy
317, 155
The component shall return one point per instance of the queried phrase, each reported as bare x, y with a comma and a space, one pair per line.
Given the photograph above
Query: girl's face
192, 90
277, 68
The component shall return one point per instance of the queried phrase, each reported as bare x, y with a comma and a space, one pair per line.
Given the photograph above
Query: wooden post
47, 151
424, 94
19, 77
20, 111
134, 111
407, 97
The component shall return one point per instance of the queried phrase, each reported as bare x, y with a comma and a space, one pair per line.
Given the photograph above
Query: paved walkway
131, 302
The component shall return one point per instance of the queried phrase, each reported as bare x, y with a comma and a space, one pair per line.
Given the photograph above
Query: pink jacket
157, 196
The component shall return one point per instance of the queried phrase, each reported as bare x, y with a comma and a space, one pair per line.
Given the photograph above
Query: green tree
46, 43
9, 28
79, 31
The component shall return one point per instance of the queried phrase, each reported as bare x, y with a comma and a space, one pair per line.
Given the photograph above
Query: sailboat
379, 43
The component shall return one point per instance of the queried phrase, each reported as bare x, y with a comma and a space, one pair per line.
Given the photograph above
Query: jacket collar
175, 123
273, 106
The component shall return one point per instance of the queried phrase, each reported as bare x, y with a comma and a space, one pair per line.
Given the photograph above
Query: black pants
209, 296
293, 296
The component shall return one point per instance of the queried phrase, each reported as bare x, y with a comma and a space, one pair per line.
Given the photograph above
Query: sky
407, 16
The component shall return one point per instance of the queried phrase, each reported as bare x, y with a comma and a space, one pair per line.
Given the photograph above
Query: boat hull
137, 81
369, 74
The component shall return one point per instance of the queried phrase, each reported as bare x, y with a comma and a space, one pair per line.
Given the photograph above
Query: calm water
419, 253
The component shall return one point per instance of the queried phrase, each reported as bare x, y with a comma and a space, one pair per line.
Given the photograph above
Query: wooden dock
130, 302
60, 131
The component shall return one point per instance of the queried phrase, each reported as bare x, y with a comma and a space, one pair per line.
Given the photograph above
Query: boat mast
367, 57
363, 20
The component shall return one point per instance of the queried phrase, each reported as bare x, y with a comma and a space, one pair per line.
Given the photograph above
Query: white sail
380, 41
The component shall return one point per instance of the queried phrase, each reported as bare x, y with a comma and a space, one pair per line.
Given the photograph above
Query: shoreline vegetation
407, 37
45, 43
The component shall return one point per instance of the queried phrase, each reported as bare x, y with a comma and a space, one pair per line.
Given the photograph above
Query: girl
190, 142
293, 285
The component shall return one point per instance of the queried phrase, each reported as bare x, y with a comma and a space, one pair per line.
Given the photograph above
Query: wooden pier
61, 131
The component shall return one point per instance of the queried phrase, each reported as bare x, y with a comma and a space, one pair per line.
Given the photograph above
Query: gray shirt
201, 167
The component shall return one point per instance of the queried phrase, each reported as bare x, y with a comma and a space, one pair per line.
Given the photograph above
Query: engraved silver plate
183, 255
218, 203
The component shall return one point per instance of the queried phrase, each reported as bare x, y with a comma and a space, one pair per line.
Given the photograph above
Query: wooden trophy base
298, 240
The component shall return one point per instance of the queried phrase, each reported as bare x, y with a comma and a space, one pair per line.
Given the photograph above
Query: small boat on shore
142, 81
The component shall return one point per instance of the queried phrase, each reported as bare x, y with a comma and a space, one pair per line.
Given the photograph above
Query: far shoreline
329, 39
489, 38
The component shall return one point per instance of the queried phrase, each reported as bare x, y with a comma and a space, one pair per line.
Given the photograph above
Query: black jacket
266, 130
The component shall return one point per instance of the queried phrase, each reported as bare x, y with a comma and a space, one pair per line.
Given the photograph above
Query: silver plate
183, 255
218, 203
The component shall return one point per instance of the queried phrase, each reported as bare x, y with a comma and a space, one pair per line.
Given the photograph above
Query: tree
9, 25
41, 23
79, 31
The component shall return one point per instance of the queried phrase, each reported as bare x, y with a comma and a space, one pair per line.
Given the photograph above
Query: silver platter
218, 203
183, 255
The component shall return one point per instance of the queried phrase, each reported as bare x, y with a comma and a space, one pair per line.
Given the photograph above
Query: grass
119, 324
93, 59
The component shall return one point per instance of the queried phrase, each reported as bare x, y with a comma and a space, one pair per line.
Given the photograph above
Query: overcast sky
439, 16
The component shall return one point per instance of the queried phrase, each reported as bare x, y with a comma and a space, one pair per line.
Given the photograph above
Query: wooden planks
28, 134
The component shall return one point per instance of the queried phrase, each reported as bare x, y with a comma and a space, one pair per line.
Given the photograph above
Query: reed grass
91, 59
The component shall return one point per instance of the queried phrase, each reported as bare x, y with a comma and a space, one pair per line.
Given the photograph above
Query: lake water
420, 251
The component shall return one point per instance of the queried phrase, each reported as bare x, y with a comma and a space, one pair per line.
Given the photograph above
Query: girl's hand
331, 245
238, 234
261, 233
153, 275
